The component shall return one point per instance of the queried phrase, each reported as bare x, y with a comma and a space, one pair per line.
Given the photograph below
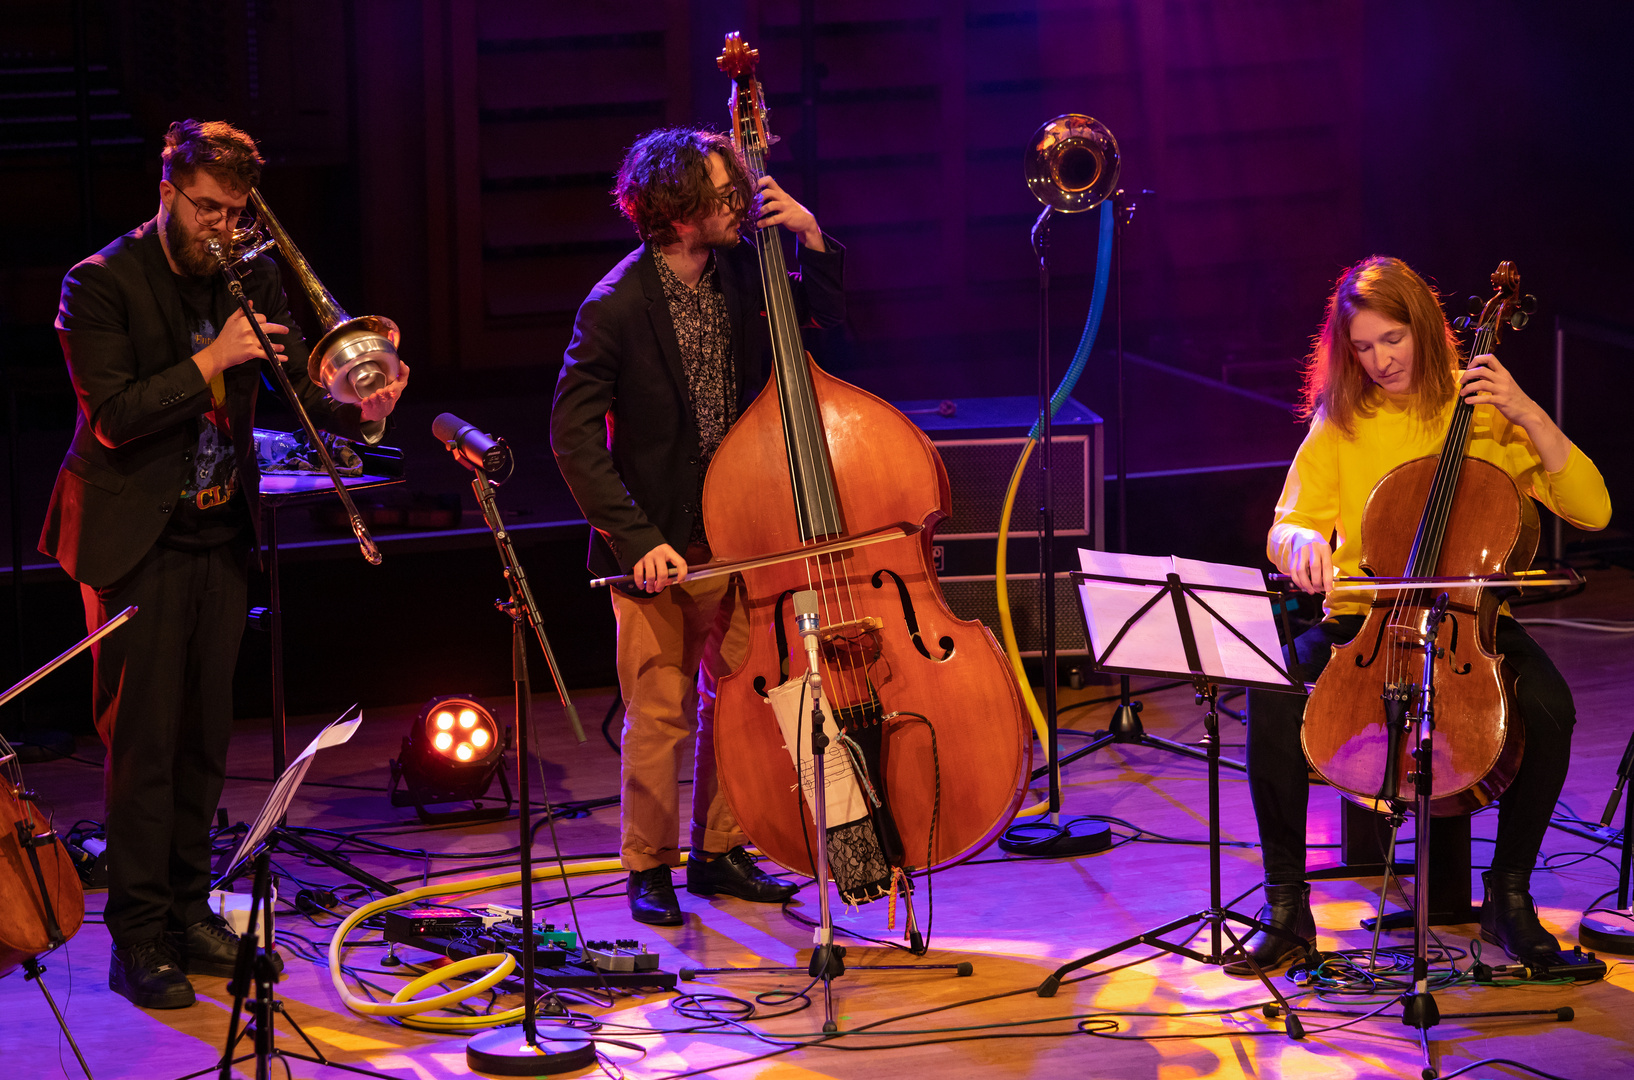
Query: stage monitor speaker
977, 598
980, 439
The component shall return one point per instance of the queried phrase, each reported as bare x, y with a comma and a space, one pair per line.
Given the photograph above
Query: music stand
253, 969
1210, 623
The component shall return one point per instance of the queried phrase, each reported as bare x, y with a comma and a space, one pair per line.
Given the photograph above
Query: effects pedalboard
559, 960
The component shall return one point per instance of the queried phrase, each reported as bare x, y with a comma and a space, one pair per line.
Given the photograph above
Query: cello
1473, 522
928, 698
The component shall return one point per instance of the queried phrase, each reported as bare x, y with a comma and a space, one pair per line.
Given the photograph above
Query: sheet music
1225, 656
843, 798
283, 791
1153, 642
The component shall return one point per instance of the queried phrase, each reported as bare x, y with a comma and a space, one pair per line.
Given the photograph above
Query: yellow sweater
1332, 476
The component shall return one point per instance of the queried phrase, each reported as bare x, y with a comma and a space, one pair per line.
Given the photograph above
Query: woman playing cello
1381, 383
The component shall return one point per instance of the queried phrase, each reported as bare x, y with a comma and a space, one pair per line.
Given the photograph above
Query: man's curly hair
218, 148
664, 179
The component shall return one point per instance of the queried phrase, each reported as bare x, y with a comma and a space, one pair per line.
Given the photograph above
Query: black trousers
1278, 778
162, 695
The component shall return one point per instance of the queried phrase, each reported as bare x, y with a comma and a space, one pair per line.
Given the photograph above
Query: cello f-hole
946, 643
1452, 649
1378, 640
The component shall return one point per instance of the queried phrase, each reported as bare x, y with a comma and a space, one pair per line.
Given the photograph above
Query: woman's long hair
1336, 385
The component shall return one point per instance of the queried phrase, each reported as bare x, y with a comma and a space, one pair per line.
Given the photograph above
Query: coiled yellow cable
404, 1005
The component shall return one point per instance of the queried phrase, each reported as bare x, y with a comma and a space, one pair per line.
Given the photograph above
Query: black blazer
125, 337
622, 425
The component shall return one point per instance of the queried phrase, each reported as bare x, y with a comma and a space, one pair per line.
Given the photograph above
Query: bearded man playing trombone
156, 505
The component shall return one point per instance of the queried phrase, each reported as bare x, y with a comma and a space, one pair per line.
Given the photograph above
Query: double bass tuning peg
1529, 304
1519, 318
1475, 305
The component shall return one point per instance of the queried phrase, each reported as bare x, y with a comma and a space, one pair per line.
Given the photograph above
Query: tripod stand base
506, 1051
1607, 931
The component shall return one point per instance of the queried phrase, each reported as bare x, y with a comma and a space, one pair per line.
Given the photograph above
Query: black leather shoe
1509, 917
736, 874
209, 947
1287, 907
147, 975
652, 897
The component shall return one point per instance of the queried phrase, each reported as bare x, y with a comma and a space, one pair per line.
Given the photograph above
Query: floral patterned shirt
705, 337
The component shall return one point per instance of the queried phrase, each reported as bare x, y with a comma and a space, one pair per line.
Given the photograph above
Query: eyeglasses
732, 201
209, 216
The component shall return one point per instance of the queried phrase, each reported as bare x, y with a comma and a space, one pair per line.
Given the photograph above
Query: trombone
355, 356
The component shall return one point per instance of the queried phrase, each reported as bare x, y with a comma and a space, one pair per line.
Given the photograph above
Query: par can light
451, 754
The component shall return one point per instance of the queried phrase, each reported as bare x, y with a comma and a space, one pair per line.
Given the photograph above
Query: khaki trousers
673, 647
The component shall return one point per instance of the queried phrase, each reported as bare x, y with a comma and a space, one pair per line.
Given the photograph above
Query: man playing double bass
666, 352
1381, 383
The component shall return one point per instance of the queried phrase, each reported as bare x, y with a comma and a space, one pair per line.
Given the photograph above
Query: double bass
927, 697
1449, 516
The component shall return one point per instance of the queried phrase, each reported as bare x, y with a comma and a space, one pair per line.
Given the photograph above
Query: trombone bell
1072, 163
357, 355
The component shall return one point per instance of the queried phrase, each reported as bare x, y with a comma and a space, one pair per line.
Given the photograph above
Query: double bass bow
1437, 519
928, 699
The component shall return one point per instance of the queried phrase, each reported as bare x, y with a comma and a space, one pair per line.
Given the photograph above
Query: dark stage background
446, 163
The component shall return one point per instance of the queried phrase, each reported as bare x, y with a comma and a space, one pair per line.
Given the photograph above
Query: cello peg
1518, 319
1475, 305
1529, 304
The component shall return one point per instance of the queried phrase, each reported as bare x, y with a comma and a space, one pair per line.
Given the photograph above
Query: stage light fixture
451, 754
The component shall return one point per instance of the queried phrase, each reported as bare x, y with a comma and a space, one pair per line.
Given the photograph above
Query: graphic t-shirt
211, 510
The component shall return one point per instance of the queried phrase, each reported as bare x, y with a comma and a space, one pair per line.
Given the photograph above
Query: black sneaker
148, 976
209, 947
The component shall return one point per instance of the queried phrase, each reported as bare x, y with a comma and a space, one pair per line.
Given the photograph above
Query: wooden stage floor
1013, 919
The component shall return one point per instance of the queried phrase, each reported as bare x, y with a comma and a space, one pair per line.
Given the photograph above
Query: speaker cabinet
980, 440
977, 598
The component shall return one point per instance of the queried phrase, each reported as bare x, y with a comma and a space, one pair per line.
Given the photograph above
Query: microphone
805, 620
473, 447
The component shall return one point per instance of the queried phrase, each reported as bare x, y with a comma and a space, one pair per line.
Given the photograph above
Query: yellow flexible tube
1007, 628
404, 1005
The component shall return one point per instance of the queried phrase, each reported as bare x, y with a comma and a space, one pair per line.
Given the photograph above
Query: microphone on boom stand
474, 448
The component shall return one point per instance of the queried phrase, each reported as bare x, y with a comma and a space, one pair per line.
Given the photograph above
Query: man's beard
726, 238
185, 250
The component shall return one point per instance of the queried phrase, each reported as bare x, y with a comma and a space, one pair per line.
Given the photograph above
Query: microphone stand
550, 1048
1602, 928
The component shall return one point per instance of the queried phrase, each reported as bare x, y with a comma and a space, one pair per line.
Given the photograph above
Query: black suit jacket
622, 425
125, 337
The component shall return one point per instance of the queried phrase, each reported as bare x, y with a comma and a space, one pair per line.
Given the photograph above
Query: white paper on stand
283, 791
843, 796
1153, 642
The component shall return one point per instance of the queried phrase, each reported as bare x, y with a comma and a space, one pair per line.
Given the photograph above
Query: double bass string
803, 424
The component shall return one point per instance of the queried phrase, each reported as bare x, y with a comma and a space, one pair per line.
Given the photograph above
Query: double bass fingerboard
816, 502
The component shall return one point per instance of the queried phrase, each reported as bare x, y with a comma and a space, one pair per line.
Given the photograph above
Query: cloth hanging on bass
856, 861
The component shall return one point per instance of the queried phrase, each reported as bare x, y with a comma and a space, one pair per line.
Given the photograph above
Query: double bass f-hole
913, 620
